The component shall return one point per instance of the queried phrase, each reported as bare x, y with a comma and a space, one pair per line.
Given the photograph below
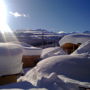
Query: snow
52, 51
53, 82
73, 66
48, 72
20, 86
84, 48
10, 58
74, 38
9, 48
58, 71
29, 49
22, 44
32, 51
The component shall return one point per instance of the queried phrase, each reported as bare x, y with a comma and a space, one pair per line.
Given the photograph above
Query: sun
4, 27
3, 17
3, 11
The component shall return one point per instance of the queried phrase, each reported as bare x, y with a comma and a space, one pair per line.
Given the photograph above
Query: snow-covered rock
52, 51
74, 38
10, 58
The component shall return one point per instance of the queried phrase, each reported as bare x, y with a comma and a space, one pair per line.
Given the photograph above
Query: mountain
87, 32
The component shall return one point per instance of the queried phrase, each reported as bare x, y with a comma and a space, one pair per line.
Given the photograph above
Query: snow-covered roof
32, 51
75, 38
29, 49
10, 49
10, 58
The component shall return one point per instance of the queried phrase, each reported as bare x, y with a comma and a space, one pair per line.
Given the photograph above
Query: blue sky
53, 15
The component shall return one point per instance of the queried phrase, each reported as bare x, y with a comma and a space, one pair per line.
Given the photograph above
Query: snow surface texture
74, 38
10, 58
52, 51
46, 73
20, 86
84, 48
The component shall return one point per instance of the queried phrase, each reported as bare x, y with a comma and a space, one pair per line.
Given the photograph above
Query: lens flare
4, 28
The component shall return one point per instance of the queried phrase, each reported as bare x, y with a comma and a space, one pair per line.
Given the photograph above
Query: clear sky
53, 15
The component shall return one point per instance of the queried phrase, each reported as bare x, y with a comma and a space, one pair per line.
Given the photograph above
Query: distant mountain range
37, 37
43, 31
37, 31
87, 32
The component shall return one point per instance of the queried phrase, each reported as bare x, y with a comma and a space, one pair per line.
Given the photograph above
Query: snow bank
75, 67
84, 48
52, 51
74, 38
10, 58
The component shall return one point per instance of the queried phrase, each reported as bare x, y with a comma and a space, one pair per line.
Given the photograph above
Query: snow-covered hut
10, 62
31, 54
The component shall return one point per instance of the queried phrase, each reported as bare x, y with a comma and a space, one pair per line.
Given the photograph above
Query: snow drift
52, 51
45, 74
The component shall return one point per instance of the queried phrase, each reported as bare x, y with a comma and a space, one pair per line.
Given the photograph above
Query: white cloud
17, 14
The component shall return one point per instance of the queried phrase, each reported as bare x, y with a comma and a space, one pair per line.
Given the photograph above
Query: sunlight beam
4, 28
3, 12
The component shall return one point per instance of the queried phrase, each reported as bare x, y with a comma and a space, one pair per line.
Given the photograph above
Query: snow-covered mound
74, 38
52, 51
10, 58
72, 66
84, 48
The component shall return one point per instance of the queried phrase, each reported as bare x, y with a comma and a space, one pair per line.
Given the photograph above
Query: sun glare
4, 28
3, 12
3, 17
